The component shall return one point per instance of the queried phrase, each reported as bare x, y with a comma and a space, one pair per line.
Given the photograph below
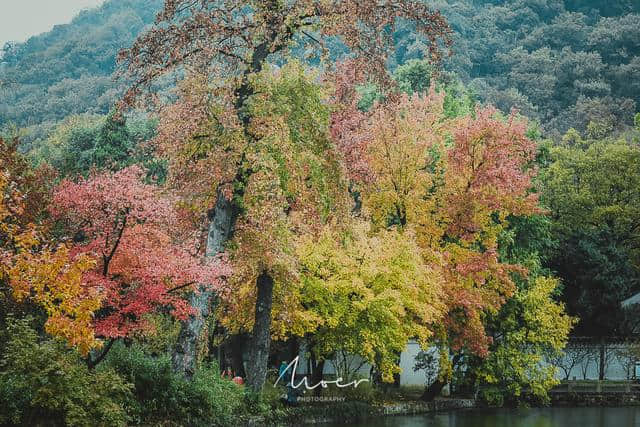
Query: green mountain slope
563, 63
68, 70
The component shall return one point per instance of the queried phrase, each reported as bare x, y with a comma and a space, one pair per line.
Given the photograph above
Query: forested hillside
561, 67
563, 63
69, 69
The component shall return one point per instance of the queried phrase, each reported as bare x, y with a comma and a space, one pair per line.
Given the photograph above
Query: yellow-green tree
531, 329
367, 294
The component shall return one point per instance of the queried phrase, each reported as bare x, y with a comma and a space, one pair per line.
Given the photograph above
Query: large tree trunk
220, 231
185, 352
261, 339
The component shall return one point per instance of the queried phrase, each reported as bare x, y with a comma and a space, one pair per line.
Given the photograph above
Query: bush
162, 395
43, 382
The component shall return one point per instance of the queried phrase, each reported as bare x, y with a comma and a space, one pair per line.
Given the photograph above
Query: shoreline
356, 411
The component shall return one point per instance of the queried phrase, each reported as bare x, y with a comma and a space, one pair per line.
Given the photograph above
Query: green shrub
492, 396
162, 395
43, 382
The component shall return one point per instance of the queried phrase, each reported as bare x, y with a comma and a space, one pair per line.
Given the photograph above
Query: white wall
408, 377
618, 366
619, 363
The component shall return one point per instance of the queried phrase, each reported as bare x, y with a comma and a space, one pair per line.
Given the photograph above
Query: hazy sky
20, 19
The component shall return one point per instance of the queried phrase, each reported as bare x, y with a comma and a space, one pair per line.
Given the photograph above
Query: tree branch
93, 363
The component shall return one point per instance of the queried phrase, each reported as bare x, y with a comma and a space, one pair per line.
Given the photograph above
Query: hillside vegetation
562, 63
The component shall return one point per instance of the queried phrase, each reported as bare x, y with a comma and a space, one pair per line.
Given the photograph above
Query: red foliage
132, 229
489, 168
458, 202
348, 123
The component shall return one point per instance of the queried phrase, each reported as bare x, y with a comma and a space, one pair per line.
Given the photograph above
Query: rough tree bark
185, 352
220, 231
261, 338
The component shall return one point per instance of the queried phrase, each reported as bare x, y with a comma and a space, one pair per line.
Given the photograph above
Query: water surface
535, 417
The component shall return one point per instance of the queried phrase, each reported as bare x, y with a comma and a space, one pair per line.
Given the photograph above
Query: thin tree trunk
434, 389
602, 360
317, 374
236, 348
99, 357
261, 339
294, 348
184, 356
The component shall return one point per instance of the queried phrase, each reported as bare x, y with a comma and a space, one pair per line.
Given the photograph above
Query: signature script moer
324, 384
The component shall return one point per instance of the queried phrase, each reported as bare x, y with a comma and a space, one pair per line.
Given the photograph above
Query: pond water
537, 417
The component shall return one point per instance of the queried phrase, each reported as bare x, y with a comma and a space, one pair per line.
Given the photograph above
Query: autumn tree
32, 266
531, 329
366, 294
230, 42
453, 182
143, 260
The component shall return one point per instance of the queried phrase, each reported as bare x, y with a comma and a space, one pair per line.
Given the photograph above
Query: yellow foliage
49, 278
368, 294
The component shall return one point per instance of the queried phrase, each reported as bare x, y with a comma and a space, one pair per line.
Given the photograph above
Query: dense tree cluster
287, 195
591, 189
561, 63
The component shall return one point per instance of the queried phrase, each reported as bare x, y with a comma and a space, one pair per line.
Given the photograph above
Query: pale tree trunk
261, 339
184, 356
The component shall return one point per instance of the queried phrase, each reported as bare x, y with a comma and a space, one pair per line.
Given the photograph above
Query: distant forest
562, 63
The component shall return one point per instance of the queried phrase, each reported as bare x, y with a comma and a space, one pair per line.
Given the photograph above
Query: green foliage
369, 95
81, 143
112, 144
162, 395
41, 382
562, 63
593, 191
606, 7
414, 76
530, 329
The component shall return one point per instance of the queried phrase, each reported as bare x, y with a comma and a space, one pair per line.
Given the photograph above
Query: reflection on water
546, 417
